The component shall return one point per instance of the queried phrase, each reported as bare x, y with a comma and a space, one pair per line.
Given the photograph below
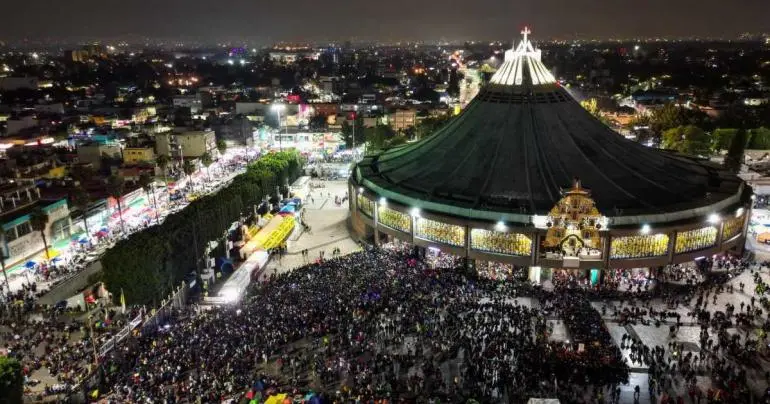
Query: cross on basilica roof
526, 33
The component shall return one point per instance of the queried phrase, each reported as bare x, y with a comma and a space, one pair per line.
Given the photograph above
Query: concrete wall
70, 287
195, 144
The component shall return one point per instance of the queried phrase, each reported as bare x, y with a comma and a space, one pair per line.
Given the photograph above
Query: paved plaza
328, 229
328, 224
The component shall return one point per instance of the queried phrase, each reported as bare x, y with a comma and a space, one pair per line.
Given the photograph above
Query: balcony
18, 194
585, 257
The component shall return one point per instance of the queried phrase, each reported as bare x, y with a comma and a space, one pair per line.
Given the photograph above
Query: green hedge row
150, 263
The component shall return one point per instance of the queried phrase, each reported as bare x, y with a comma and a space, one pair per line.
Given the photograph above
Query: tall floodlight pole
278, 108
355, 121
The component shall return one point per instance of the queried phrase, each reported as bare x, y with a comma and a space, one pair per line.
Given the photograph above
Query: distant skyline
269, 21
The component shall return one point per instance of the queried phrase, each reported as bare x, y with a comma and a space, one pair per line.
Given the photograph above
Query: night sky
321, 20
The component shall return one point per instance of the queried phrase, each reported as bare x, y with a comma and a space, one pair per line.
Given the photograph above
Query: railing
120, 336
12, 203
80, 391
176, 300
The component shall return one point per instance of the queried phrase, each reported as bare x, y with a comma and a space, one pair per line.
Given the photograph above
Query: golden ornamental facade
574, 223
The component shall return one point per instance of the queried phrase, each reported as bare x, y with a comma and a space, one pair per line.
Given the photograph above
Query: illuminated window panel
653, 245
394, 219
440, 232
501, 243
366, 206
732, 228
695, 240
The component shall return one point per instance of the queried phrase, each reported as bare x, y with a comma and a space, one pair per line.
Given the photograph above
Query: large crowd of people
57, 342
374, 324
392, 324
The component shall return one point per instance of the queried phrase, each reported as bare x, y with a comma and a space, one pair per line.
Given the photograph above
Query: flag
122, 301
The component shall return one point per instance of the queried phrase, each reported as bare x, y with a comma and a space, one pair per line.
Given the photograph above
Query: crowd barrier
80, 393
159, 316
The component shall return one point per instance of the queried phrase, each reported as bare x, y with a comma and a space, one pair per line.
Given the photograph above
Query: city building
330, 85
326, 108
18, 83
18, 124
138, 155
18, 199
54, 108
192, 101
238, 129
526, 177
93, 153
285, 57
402, 119
246, 108
191, 144
86, 53
16, 195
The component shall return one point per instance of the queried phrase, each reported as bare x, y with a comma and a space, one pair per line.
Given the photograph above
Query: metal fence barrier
149, 323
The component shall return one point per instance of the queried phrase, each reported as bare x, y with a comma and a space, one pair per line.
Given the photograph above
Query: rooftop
524, 139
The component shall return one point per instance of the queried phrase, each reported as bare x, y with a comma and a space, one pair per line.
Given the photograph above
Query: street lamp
355, 120
714, 218
278, 108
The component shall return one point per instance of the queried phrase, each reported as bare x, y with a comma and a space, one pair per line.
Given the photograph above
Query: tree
189, 168
221, 146
667, 117
82, 173
206, 160
347, 132
378, 137
760, 139
163, 162
116, 186
146, 181
671, 116
397, 140
82, 200
430, 125
723, 138
734, 158
688, 139
591, 105
38, 219
150, 263
11, 381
